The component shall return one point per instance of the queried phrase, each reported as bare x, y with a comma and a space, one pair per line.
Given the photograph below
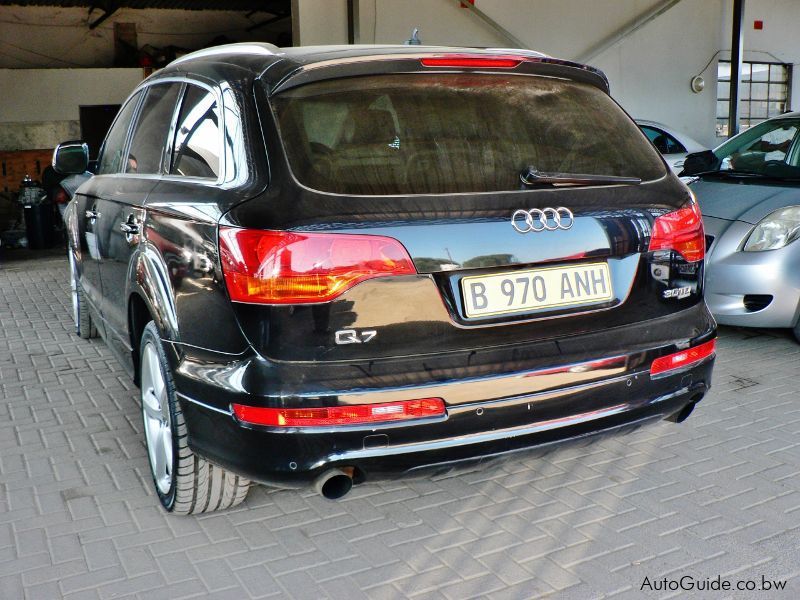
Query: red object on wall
758, 24
464, 3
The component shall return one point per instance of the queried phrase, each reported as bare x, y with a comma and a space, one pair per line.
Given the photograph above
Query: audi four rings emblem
545, 219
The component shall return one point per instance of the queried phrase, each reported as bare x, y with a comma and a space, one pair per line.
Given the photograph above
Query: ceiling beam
108, 8
515, 41
627, 30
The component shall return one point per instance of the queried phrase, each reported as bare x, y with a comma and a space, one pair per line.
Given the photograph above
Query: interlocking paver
719, 494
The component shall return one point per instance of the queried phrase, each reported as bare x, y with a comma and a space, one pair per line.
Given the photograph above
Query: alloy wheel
157, 420
73, 285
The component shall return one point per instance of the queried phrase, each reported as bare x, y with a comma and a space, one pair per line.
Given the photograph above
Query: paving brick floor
718, 495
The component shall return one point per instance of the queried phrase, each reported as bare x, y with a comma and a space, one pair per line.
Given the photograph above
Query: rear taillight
355, 414
60, 197
681, 231
283, 267
682, 359
504, 62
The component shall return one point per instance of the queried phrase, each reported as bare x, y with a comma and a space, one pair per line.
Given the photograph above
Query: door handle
92, 214
129, 228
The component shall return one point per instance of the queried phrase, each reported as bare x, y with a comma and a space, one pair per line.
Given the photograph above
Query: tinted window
197, 137
415, 133
770, 148
664, 142
114, 145
152, 128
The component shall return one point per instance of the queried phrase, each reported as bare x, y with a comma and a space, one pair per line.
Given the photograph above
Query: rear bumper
472, 430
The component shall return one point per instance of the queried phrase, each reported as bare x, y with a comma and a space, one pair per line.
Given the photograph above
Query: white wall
319, 22
40, 107
440, 23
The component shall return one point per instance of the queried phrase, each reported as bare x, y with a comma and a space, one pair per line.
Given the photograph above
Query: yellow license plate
550, 287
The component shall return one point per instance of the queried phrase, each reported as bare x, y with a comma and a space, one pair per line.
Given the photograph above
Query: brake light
284, 267
340, 415
681, 231
475, 61
60, 197
683, 358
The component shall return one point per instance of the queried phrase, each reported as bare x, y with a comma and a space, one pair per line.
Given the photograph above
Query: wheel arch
150, 298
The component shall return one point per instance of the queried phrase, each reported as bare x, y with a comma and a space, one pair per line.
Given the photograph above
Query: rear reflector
340, 415
472, 62
681, 231
284, 267
683, 358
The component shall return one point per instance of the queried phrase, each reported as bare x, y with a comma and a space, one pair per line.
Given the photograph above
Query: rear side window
114, 144
196, 150
664, 142
429, 134
152, 127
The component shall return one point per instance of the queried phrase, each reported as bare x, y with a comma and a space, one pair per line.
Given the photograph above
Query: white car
673, 145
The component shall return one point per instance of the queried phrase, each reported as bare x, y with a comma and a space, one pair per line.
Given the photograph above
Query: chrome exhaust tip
334, 483
683, 414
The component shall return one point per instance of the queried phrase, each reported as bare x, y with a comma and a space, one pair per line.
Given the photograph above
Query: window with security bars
763, 93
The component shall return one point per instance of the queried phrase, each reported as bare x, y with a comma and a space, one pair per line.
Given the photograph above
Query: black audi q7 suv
327, 264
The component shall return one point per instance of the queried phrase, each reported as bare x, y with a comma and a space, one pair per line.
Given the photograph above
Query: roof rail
520, 52
253, 48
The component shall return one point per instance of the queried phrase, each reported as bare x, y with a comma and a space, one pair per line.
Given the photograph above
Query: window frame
749, 100
135, 123
126, 144
668, 135
166, 158
722, 151
167, 163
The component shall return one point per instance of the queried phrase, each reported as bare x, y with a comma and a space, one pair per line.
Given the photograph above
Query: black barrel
39, 225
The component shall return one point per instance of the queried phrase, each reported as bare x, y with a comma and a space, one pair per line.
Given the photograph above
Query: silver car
749, 193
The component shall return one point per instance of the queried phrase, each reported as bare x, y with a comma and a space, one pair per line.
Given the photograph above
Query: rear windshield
436, 134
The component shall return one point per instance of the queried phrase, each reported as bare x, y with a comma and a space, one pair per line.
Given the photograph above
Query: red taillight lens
340, 415
283, 267
681, 231
476, 62
61, 197
683, 358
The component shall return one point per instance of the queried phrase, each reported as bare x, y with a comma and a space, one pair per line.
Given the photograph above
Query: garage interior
717, 496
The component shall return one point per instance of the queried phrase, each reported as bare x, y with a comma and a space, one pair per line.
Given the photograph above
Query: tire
185, 483
84, 326
796, 331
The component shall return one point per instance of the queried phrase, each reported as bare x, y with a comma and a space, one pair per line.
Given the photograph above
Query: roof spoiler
292, 74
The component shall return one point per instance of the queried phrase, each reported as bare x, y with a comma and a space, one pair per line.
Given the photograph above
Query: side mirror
699, 162
71, 158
